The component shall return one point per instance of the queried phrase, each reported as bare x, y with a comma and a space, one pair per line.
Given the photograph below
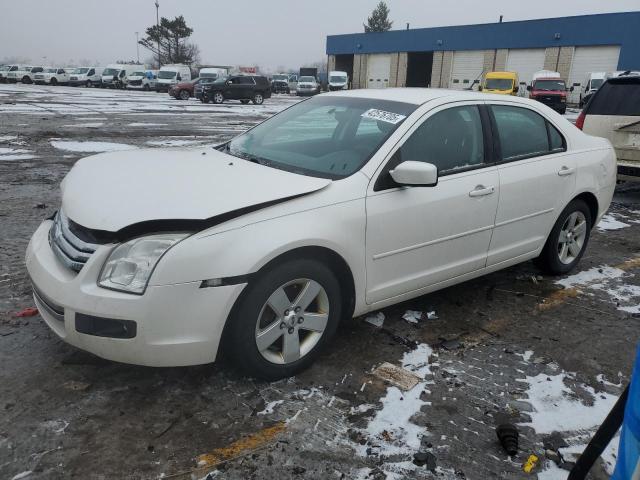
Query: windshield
208, 75
284, 78
137, 74
549, 85
329, 137
166, 74
498, 84
51, 70
596, 83
80, 71
307, 79
338, 79
4, 68
110, 71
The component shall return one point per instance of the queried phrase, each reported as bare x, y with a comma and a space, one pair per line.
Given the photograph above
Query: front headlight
131, 264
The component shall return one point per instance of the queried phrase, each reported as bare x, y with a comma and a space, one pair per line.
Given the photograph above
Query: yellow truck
503, 83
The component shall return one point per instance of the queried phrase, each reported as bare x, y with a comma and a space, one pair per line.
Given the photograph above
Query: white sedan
340, 205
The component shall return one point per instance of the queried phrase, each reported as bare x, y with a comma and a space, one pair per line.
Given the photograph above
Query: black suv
237, 87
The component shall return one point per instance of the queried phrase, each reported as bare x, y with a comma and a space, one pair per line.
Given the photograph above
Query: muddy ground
512, 346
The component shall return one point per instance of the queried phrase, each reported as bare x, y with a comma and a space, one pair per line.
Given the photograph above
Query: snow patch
590, 276
7, 153
143, 124
609, 222
88, 146
269, 407
7, 138
173, 143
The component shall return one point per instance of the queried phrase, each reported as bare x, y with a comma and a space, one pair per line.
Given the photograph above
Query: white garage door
378, 71
467, 67
591, 59
525, 62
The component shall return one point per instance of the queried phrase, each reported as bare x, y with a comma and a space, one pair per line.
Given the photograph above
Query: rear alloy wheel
184, 95
258, 99
568, 239
284, 318
218, 97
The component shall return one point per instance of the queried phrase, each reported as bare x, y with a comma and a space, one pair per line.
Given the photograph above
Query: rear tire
184, 95
272, 342
218, 98
568, 239
53, 81
88, 84
258, 99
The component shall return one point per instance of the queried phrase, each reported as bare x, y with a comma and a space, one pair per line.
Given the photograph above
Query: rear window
620, 96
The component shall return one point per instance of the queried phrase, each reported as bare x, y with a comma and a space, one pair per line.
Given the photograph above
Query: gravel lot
549, 354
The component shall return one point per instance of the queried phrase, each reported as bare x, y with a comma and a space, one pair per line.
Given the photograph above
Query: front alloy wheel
284, 318
218, 97
258, 99
292, 321
184, 95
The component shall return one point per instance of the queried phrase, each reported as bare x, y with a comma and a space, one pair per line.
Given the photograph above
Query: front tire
258, 99
89, 84
568, 239
53, 81
284, 319
184, 95
218, 97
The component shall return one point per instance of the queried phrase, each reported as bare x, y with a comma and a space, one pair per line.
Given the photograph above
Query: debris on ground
397, 376
530, 464
432, 315
76, 386
508, 436
450, 344
26, 312
427, 459
377, 319
412, 316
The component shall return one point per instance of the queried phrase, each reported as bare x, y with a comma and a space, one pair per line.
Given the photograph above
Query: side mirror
415, 173
528, 88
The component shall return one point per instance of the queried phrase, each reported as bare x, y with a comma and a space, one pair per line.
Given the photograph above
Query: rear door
537, 180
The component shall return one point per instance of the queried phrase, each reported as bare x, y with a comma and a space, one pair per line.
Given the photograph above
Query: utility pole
158, 25
137, 48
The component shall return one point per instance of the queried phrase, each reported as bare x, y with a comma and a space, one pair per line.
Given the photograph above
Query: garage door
525, 62
467, 67
379, 71
591, 59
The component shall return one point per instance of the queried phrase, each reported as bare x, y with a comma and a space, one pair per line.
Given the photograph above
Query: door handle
564, 171
481, 191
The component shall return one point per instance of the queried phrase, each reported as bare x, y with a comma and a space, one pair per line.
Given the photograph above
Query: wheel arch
592, 202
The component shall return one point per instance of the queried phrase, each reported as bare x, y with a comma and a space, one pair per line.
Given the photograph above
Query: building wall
359, 71
398, 76
331, 63
558, 59
441, 69
495, 60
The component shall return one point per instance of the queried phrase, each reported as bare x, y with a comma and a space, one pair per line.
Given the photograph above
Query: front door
421, 236
537, 179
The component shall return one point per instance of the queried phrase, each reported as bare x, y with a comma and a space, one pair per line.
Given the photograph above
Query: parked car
245, 88
501, 83
16, 75
4, 71
86, 76
213, 72
307, 86
197, 90
185, 90
143, 80
614, 113
116, 75
549, 88
338, 80
170, 75
335, 207
593, 81
51, 76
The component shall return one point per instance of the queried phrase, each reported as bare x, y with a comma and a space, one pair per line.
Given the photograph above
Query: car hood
139, 190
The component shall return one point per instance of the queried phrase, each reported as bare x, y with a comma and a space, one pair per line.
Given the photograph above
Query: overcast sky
268, 33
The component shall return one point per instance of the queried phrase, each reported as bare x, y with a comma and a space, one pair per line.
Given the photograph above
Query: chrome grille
71, 250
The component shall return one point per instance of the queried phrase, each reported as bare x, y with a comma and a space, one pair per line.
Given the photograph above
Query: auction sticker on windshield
383, 116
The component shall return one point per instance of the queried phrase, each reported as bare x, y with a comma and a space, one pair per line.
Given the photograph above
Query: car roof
419, 96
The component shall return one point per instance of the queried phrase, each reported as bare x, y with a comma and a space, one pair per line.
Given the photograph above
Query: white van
170, 75
51, 76
16, 75
338, 80
87, 76
213, 72
143, 80
118, 71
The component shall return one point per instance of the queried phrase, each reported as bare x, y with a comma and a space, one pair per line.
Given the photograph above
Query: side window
556, 140
522, 132
451, 140
91, 72
60, 70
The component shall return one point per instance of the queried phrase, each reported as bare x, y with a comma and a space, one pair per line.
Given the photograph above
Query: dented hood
119, 190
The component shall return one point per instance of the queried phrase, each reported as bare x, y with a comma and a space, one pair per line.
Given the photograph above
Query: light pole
137, 47
158, 27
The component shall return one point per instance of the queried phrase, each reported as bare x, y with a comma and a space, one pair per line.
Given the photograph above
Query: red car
184, 90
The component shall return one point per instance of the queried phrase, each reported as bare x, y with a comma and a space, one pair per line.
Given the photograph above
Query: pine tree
379, 19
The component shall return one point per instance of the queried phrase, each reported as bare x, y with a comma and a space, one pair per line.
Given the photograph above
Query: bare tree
169, 42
